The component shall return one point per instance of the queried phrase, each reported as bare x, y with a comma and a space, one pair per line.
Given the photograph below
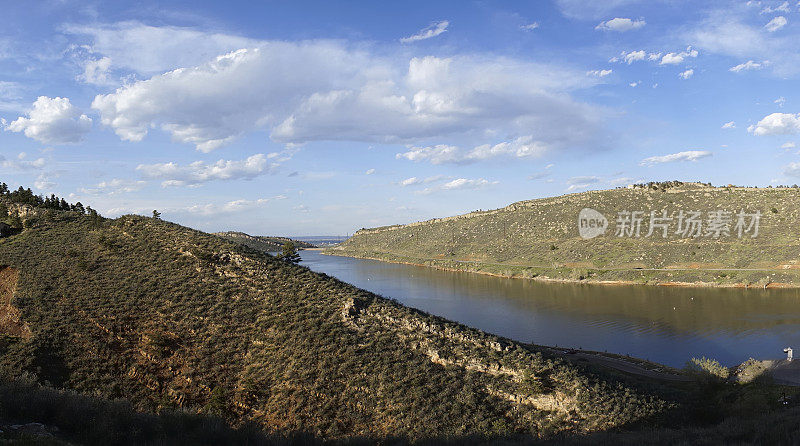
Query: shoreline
431, 263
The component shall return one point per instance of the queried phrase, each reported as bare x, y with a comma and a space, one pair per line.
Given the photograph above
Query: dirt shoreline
699, 284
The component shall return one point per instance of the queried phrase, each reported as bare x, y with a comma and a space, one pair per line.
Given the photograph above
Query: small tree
14, 221
156, 214
289, 253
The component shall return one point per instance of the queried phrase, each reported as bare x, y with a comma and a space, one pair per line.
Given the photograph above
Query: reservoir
668, 325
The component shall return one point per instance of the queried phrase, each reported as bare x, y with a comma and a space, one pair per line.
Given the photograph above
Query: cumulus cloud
52, 121
776, 124
432, 30
749, 65
114, 187
629, 57
522, 147
599, 73
776, 24
677, 58
199, 172
334, 92
729, 125
689, 155
620, 24
686, 74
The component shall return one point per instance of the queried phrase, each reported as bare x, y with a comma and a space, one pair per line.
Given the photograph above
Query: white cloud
792, 170
686, 74
199, 172
776, 124
629, 57
154, 49
530, 26
780, 101
52, 121
599, 73
95, 71
460, 184
749, 65
783, 7
114, 187
677, 58
635, 83
432, 30
729, 125
788, 145
335, 92
581, 182
727, 33
689, 155
776, 24
21, 163
414, 180
369, 172
209, 209
43, 183
620, 24
522, 147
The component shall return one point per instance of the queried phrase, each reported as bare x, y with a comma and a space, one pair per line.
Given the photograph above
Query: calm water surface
663, 324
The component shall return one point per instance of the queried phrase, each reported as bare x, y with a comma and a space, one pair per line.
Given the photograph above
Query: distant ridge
262, 243
655, 233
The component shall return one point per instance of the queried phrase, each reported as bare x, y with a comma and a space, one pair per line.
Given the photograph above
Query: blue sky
305, 118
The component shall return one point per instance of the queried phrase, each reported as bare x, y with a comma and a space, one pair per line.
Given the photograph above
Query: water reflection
664, 324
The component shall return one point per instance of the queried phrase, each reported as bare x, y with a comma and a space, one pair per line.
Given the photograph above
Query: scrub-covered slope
166, 317
661, 232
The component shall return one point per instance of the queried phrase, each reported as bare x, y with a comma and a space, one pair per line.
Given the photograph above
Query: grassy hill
541, 239
262, 243
171, 318
141, 331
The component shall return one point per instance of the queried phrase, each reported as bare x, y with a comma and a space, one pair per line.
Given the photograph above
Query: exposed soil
10, 322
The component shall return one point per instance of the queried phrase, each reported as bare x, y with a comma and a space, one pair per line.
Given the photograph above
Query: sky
320, 118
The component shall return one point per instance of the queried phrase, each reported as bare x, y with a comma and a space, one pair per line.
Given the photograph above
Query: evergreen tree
156, 214
289, 253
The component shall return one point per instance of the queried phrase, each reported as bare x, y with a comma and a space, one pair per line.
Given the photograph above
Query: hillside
262, 243
168, 317
755, 240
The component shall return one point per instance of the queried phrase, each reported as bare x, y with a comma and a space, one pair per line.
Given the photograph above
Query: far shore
432, 263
